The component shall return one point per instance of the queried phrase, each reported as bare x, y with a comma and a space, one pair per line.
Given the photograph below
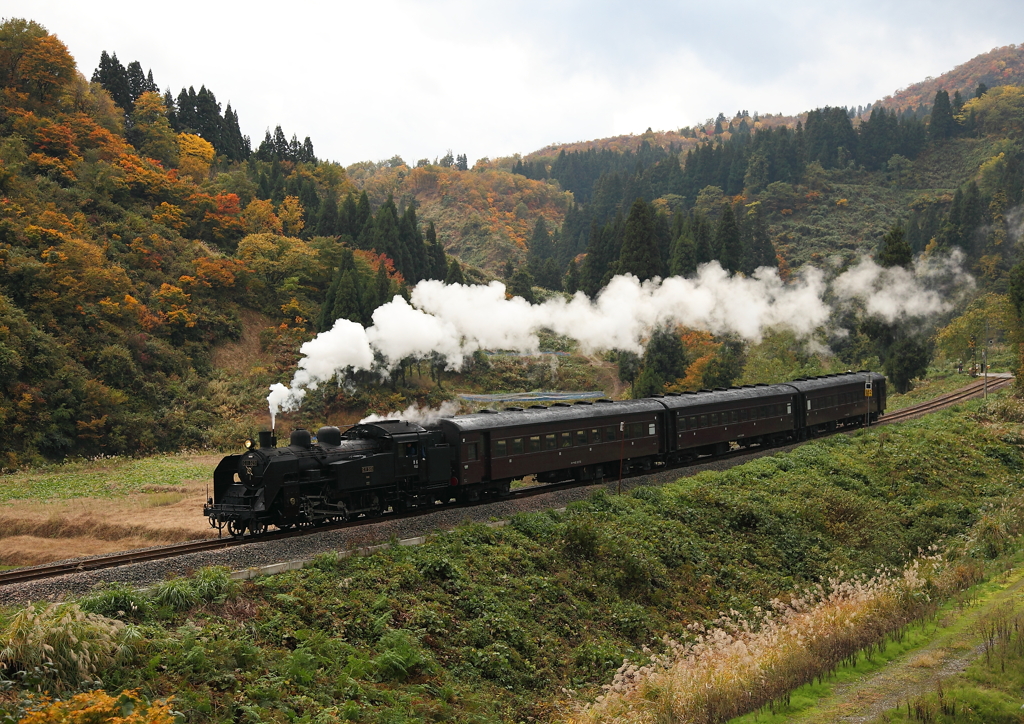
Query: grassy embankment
530, 620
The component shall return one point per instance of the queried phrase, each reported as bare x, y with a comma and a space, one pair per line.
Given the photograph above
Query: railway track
21, 575
972, 391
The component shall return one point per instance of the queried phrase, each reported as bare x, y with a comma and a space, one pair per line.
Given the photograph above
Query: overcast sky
367, 80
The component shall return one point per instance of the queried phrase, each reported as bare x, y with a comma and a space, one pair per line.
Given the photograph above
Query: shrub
117, 600
399, 658
99, 707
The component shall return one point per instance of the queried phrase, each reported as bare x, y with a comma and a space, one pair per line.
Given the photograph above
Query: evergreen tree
727, 240
344, 296
113, 77
894, 249
603, 251
683, 255
521, 285
362, 215
328, 222
759, 250
438, 261
416, 250
136, 79
571, 280
664, 361
386, 239
702, 241
454, 275
639, 254
906, 360
942, 124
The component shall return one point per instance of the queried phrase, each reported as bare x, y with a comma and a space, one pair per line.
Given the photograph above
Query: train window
693, 423
808, 404
595, 435
517, 446
637, 429
735, 416
703, 420
501, 448
550, 443
566, 440
609, 433
471, 451
535, 443
714, 419
650, 428
744, 414
789, 408
581, 437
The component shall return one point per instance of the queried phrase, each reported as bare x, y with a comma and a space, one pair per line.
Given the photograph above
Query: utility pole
984, 360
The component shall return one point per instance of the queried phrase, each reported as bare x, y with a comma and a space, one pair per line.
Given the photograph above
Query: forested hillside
158, 269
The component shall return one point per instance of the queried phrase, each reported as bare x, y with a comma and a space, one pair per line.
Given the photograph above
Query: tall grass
64, 643
737, 666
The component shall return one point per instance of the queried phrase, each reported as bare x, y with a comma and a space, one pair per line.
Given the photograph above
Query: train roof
826, 381
559, 412
732, 394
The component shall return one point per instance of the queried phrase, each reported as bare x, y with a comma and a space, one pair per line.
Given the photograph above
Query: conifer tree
328, 221
571, 280
702, 240
639, 254
603, 251
454, 275
758, 249
521, 285
664, 361
438, 261
415, 248
382, 292
346, 211
683, 254
386, 239
362, 214
894, 249
942, 124
727, 240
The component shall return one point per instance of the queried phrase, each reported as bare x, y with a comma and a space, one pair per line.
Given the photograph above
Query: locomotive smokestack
268, 438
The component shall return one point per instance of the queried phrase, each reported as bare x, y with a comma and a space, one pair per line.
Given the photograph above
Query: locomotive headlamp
248, 444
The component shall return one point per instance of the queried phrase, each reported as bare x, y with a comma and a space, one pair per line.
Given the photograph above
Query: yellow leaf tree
195, 155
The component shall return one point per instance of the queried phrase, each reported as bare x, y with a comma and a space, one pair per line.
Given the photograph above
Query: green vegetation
102, 478
485, 624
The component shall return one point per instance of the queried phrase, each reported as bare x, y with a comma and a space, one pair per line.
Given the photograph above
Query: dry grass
245, 354
928, 659
738, 666
34, 532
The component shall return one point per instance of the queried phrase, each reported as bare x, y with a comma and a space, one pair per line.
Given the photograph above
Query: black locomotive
397, 465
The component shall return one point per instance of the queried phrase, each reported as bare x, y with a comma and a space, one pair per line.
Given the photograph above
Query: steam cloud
455, 320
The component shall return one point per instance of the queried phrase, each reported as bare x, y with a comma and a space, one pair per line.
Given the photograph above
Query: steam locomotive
397, 465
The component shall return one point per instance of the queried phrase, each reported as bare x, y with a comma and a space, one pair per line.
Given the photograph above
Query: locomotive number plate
367, 468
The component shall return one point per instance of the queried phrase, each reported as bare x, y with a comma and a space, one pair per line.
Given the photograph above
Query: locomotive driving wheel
236, 528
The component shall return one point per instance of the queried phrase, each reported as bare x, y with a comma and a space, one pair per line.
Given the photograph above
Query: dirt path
608, 376
953, 647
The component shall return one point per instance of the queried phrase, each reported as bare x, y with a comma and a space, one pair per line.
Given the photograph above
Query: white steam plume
419, 415
456, 320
